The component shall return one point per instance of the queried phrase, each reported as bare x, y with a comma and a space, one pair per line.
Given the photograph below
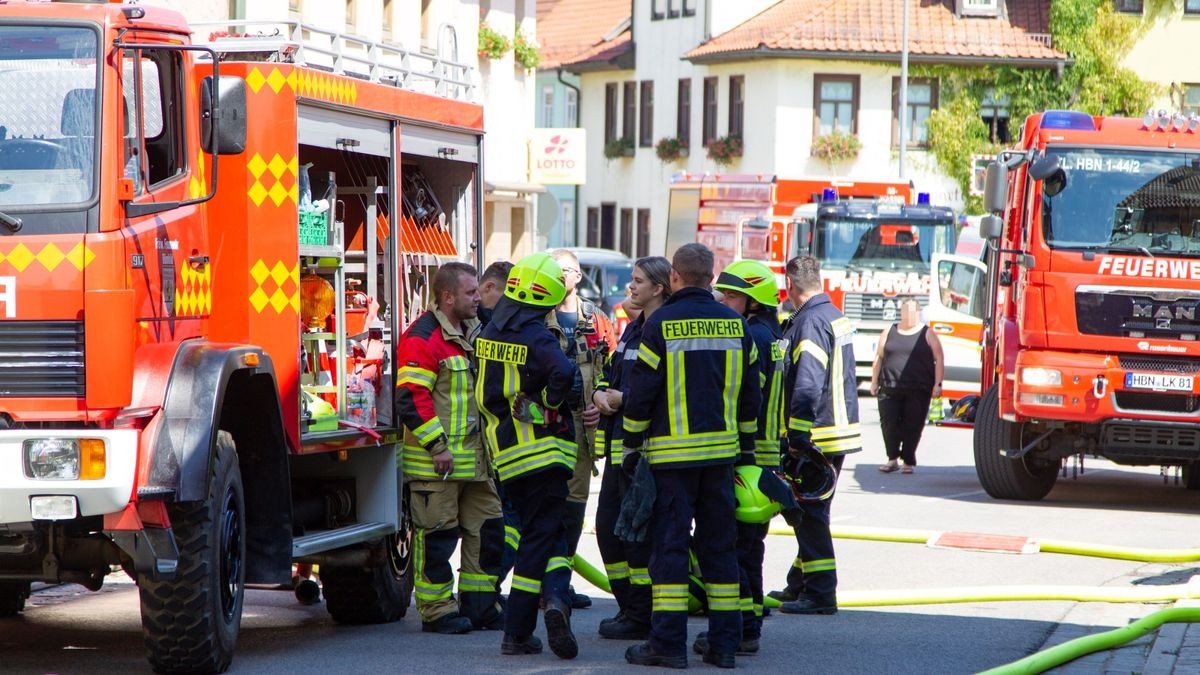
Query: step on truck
207, 252
1091, 300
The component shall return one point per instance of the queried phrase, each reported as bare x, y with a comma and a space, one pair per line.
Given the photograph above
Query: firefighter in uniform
822, 413
523, 392
750, 289
447, 469
625, 563
586, 335
687, 407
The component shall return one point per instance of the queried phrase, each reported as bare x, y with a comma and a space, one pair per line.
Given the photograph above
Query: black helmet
964, 409
811, 476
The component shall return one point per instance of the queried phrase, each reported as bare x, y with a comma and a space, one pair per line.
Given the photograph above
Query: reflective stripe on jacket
821, 378
686, 400
435, 398
772, 353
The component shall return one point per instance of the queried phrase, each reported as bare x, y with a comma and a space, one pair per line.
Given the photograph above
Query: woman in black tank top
907, 373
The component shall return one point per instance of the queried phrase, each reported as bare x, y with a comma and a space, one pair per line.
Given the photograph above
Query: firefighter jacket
588, 347
686, 402
435, 398
616, 376
522, 364
772, 353
821, 381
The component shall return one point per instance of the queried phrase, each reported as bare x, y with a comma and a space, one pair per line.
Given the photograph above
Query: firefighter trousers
442, 512
704, 494
626, 563
541, 566
751, 549
814, 572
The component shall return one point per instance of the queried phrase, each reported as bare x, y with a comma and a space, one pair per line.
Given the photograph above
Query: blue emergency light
828, 195
1068, 119
923, 199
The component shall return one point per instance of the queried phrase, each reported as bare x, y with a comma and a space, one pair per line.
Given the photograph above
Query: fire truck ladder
304, 44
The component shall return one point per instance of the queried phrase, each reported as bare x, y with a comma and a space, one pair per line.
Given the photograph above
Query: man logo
1163, 315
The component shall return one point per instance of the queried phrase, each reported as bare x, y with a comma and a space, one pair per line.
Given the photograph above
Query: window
836, 103
710, 110
153, 147
689, 7
995, 115
547, 119
922, 100
1191, 7
656, 12
567, 220
673, 9
643, 233
646, 127
737, 100
608, 225
610, 112
629, 115
593, 226
683, 115
571, 109
1191, 99
627, 232
350, 16
387, 18
294, 5
1133, 6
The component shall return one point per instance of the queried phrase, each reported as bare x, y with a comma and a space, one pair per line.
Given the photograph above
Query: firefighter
524, 393
749, 288
586, 335
491, 288
448, 472
822, 413
689, 412
626, 563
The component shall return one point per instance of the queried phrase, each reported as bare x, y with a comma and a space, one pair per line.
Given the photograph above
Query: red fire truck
875, 246
206, 253
1092, 343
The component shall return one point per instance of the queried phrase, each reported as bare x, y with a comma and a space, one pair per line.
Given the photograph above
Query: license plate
1158, 382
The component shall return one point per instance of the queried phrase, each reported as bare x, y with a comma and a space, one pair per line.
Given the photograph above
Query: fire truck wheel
12, 597
357, 595
1024, 478
191, 622
1191, 476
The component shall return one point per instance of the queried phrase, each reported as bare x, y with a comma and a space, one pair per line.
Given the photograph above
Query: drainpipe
578, 101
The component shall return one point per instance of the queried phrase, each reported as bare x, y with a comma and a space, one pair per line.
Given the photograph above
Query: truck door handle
198, 261
943, 328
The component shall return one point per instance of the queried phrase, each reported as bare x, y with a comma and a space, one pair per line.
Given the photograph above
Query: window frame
1193, 10
672, 10
933, 105
655, 13
547, 106
689, 7
737, 106
1123, 7
612, 107
592, 235
646, 113
993, 129
625, 242
855, 100
642, 233
683, 111
571, 108
709, 103
629, 110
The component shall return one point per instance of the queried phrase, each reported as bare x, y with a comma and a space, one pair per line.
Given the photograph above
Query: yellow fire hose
1040, 661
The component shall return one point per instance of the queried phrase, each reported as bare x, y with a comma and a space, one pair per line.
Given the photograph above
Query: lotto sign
558, 156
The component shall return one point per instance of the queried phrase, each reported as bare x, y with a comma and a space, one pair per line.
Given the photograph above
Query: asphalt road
68, 630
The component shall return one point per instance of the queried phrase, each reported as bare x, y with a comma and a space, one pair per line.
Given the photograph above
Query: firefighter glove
633, 523
629, 461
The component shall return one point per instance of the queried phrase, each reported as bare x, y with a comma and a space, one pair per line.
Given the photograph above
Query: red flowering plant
835, 147
723, 150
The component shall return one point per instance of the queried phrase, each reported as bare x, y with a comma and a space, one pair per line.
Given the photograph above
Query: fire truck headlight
1041, 377
53, 507
65, 458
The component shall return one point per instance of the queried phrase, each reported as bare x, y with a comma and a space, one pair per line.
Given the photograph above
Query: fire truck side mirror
228, 110
995, 188
990, 227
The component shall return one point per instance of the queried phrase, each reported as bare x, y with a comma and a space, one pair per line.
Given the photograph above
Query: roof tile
569, 28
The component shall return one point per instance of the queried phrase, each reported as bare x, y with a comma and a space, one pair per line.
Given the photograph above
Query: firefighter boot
624, 628
785, 595
451, 624
746, 647
813, 604
514, 646
642, 654
557, 618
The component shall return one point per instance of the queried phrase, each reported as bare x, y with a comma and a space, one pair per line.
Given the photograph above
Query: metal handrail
304, 44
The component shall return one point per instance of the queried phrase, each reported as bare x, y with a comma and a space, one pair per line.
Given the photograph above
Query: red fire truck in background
205, 256
874, 243
1092, 299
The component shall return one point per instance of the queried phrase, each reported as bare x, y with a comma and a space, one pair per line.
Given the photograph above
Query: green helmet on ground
753, 506
536, 280
752, 278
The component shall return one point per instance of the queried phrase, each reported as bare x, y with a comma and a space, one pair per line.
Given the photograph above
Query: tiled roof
601, 54
874, 28
568, 28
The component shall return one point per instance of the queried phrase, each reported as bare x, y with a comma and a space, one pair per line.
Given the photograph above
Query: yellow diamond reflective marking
291, 79
260, 272
294, 166
255, 80
256, 166
276, 80
80, 257
294, 194
294, 301
277, 193
354, 93
1, 257
277, 166
295, 274
257, 193
20, 257
279, 273
50, 257
279, 300
259, 299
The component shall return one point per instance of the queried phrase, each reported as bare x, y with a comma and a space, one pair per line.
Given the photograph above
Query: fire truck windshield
901, 245
1124, 200
47, 116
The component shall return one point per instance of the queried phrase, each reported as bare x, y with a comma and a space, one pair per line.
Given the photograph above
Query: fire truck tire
190, 623
1001, 477
12, 597
381, 594
1191, 475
